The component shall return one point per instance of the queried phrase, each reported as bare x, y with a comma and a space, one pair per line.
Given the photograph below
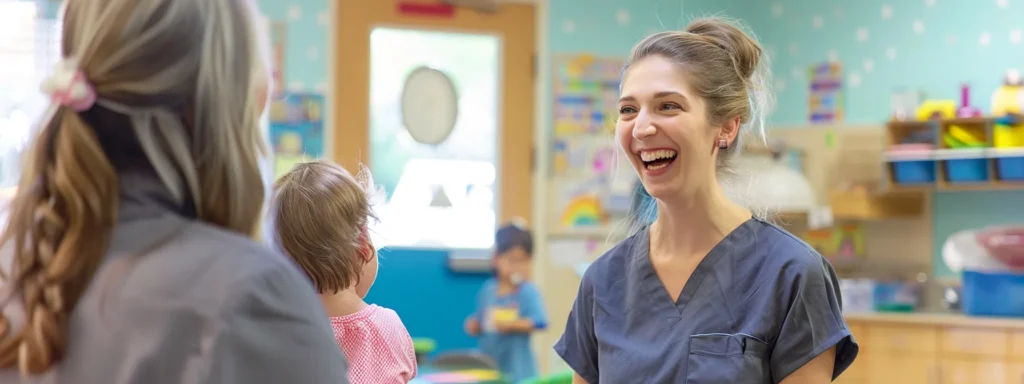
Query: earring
723, 144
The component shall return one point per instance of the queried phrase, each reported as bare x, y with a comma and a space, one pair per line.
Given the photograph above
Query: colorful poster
825, 99
296, 129
586, 94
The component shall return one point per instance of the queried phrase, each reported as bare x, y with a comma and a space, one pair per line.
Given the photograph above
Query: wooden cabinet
936, 349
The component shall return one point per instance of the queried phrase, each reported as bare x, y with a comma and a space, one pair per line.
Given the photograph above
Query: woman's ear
729, 130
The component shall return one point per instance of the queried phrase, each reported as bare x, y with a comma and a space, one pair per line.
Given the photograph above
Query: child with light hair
321, 213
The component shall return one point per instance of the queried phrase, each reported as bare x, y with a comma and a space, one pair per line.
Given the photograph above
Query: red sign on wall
419, 8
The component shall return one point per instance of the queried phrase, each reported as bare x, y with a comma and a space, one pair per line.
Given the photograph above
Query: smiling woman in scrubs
707, 293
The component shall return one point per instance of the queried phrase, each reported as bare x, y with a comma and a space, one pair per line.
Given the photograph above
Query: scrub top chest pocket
727, 359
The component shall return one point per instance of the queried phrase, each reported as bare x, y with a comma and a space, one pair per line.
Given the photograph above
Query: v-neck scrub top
759, 306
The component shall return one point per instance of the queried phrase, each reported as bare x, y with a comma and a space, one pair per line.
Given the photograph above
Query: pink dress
377, 346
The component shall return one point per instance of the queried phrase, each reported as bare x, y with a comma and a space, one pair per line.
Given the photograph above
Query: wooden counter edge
947, 319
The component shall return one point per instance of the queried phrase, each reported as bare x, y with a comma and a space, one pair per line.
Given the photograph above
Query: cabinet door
1014, 373
902, 368
964, 371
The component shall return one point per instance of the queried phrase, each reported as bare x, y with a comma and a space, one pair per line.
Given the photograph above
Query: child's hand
472, 326
506, 326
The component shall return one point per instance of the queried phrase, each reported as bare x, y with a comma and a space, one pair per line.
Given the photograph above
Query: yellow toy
1009, 98
936, 109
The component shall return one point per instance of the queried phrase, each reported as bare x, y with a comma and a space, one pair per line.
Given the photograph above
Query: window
438, 196
29, 36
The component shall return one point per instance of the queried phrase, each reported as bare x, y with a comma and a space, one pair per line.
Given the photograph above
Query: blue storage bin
1010, 168
913, 171
993, 294
967, 170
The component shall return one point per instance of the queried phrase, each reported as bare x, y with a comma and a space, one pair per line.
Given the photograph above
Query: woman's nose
642, 127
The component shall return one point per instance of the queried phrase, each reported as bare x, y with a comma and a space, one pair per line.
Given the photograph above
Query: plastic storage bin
967, 170
913, 171
1010, 168
993, 294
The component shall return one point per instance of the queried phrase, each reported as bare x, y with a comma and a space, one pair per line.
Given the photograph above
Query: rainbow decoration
582, 211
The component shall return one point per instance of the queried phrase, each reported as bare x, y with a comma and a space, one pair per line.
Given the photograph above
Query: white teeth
658, 154
656, 167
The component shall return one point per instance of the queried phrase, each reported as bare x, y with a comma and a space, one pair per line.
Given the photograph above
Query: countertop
952, 319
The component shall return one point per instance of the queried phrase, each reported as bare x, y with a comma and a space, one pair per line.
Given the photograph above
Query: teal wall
306, 51
930, 45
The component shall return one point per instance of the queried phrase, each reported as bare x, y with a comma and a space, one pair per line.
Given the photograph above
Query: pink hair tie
67, 86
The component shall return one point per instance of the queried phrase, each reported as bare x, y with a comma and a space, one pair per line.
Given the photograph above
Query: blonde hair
184, 74
321, 218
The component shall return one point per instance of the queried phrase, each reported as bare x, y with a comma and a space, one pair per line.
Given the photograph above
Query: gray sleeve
813, 320
578, 345
276, 333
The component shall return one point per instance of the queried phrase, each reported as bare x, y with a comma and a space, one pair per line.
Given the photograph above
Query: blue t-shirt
759, 306
511, 351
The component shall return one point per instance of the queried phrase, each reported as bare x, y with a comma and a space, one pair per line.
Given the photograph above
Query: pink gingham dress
377, 346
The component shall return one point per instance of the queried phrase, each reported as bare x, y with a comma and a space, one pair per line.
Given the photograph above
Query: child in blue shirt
509, 306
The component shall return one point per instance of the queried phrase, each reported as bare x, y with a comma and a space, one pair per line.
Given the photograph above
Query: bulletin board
592, 182
296, 129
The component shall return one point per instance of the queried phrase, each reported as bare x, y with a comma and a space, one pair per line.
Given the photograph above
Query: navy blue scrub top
759, 306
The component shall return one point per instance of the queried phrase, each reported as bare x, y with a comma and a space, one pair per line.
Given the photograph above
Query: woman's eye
625, 110
669, 106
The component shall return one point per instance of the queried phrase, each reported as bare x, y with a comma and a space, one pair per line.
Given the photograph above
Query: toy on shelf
903, 104
957, 137
936, 110
1008, 99
1008, 132
966, 110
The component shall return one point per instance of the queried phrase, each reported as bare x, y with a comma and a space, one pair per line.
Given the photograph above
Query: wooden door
512, 23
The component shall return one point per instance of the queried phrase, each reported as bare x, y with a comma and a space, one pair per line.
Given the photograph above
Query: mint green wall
308, 25
931, 45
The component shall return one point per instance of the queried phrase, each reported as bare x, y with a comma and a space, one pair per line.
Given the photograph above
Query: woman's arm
813, 344
576, 379
816, 371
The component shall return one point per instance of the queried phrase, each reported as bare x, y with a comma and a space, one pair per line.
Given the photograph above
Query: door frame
542, 97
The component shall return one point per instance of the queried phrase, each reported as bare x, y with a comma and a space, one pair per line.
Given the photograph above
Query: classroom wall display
593, 180
825, 99
296, 129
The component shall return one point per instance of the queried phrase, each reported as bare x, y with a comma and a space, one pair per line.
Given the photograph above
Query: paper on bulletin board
586, 94
570, 253
296, 129
825, 97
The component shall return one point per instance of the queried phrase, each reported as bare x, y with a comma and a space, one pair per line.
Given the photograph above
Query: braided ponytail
60, 224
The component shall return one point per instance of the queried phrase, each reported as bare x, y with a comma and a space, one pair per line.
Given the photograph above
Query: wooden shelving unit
866, 205
944, 158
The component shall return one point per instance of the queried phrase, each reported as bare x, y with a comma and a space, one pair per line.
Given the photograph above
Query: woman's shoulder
783, 249
199, 262
780, 257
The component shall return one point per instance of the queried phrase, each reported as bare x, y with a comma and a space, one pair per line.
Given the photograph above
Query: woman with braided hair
129, 254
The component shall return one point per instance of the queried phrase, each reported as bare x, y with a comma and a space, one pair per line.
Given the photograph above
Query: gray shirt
759, 306
178, 301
